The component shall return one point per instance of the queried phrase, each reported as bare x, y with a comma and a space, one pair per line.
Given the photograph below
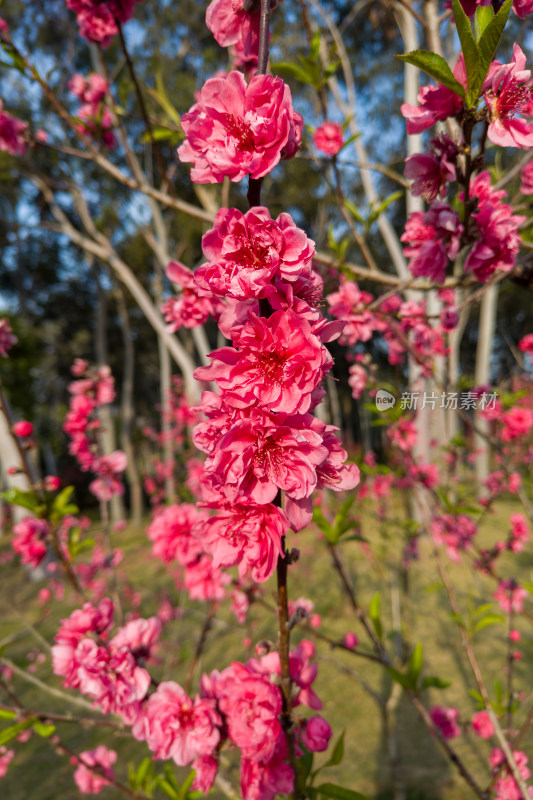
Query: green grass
39, 773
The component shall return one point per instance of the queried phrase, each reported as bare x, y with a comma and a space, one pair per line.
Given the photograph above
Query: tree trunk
107, 430
127, 412
487, 322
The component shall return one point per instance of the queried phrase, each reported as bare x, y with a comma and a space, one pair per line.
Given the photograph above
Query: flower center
240, 131
271, 365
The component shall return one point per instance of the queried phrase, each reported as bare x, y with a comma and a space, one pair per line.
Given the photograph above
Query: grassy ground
39, 773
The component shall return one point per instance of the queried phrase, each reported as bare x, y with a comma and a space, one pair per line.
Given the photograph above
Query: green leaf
490, 619
434, 682
404, 680
339, 792
491, 36
483, 16
435, 66
9, 733
353, 211
337, 753
161, 134
186, 785
6, 714
62, 505
374, 611
167, 788
478, 697
43, 729
458, 618
160, 96
376, 212
140, 775
470, 53
314, 50
287, 70
305, 765
415, 664
320, 520
17, 497
16, 58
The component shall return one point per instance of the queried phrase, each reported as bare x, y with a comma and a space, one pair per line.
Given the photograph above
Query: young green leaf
436, 67
337, 753
9, 733
16, 497
483, 16
404, 680
339, 792
374, 612
434, 682
491, 36
470, 53
415, 664
43, 729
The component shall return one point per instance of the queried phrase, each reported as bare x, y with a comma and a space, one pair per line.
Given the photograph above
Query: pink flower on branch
264, 453
246, 252
433, 238
192, 306
276, 363
92, 781
6, 756
7, 337
507, 95
174, 726
445, 719
230, 24
238, 129
98, 18
328, 138
12, 133
29, 540
244, 534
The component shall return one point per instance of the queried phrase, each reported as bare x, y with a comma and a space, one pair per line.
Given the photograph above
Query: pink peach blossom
482, 724
239, 129
445, 719
316, 734
246, 251
174, 726
507, 95
328, 138
91, 781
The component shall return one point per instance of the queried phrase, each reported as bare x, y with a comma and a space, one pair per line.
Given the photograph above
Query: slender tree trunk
487, 322
107, 431
10, 457
165, 385
127, 412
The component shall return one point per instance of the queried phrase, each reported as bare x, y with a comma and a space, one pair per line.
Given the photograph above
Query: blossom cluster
94, 769
240, 705
99, 19
95, 119
434, 238
7, 337
108, 670
94, 389
403, 325
12, 133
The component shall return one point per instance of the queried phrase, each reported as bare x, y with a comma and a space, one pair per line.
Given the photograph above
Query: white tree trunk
487, 323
